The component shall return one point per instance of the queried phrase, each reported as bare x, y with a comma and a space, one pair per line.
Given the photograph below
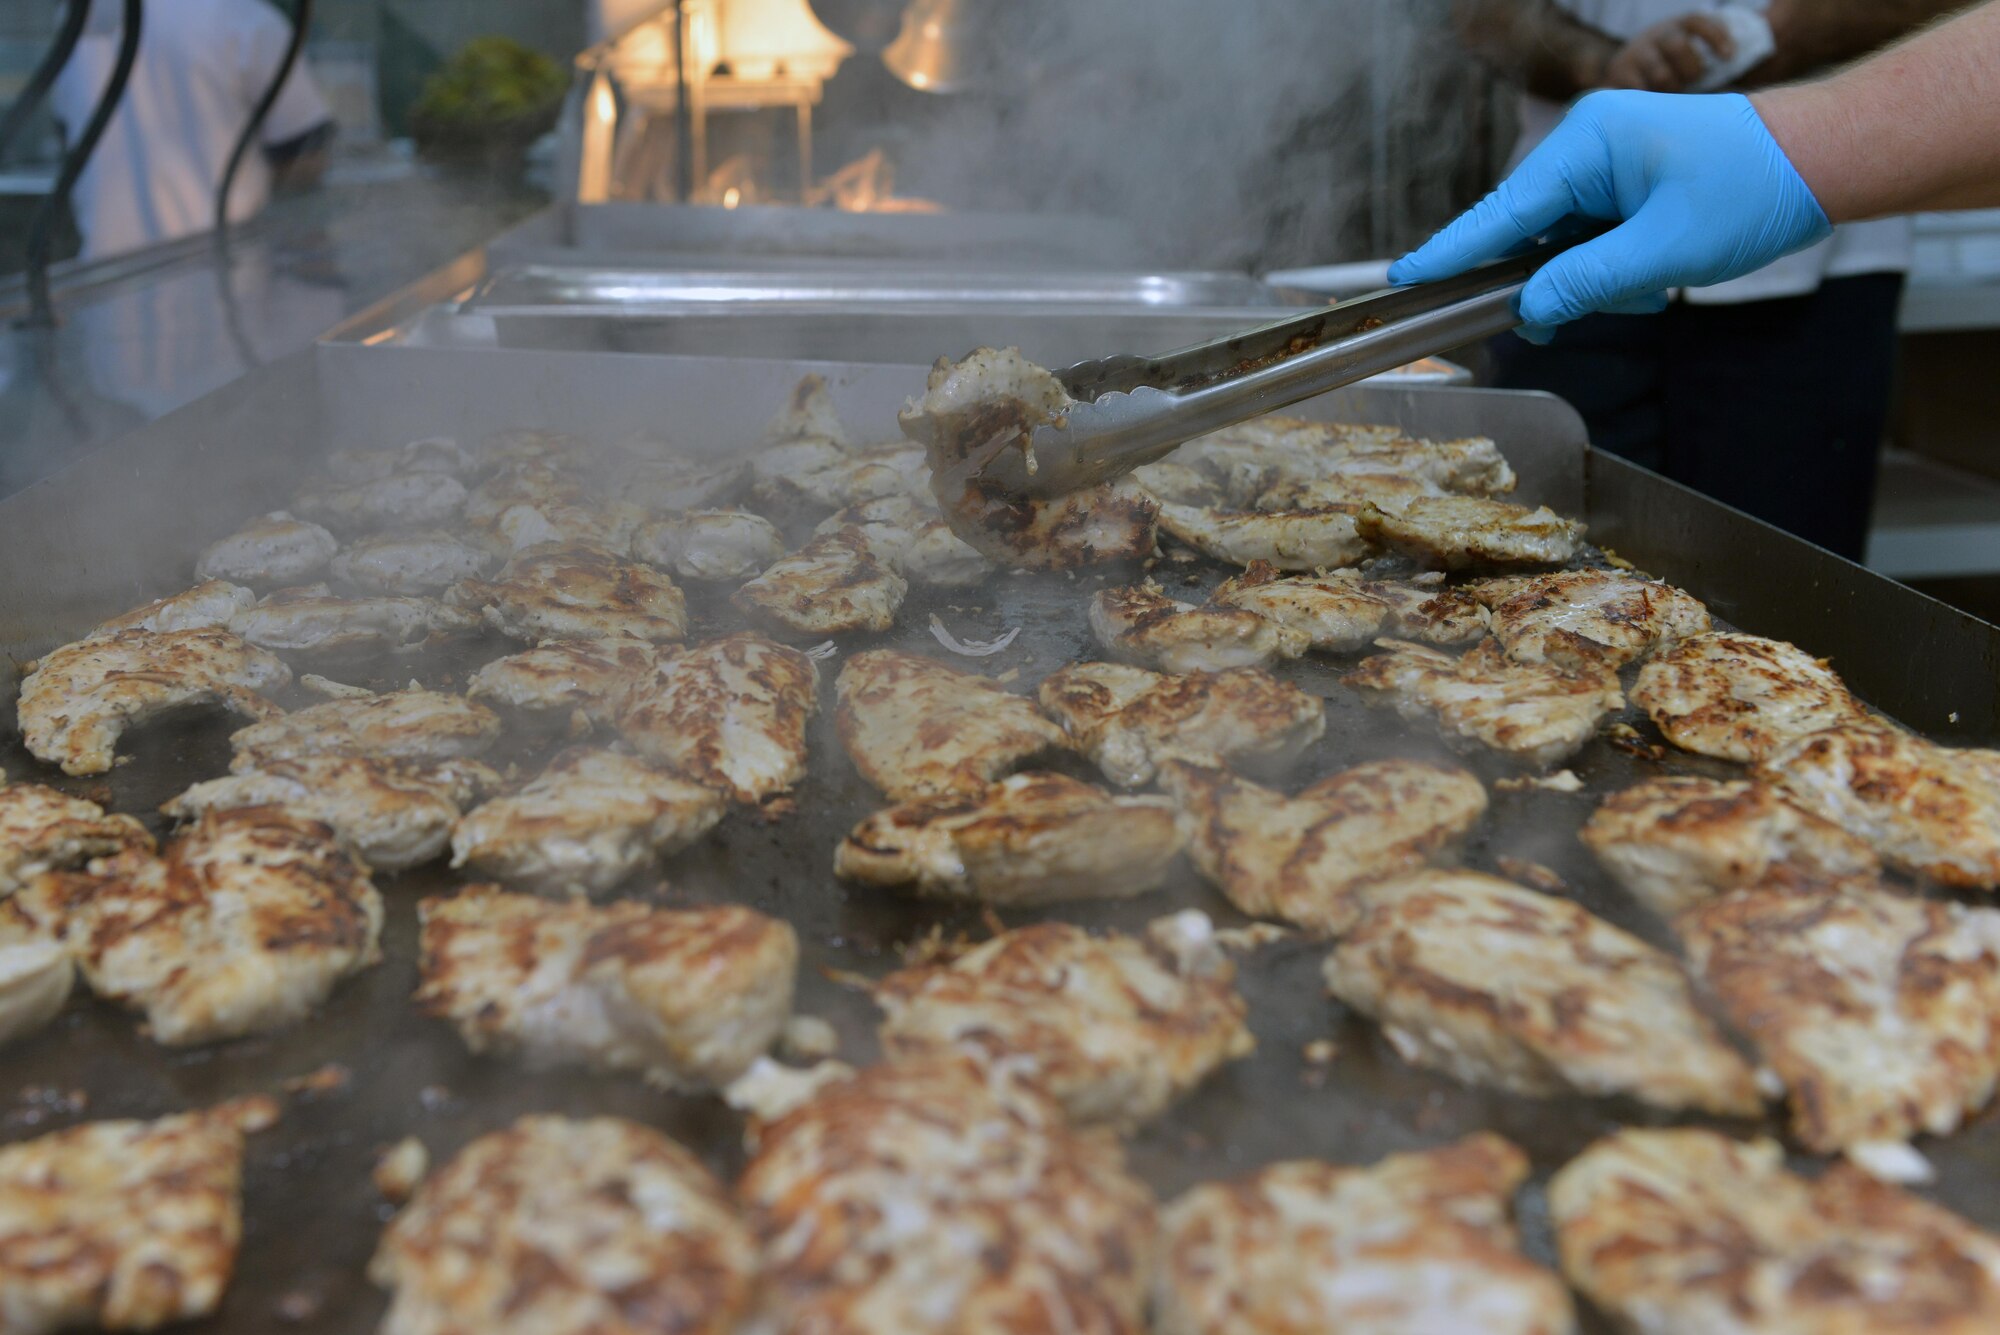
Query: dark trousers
1775, 407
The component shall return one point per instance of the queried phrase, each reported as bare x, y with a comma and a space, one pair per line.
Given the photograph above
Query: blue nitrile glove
1703, 191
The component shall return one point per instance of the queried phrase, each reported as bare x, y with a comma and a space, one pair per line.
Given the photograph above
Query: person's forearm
1813, 34
1915, 127
1536, 43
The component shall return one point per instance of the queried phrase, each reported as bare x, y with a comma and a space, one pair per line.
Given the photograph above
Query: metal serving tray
125, 525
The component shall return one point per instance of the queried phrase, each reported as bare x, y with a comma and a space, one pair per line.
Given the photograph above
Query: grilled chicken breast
917, 726
417, 562
44, 830
1315, 539
432, 454
1537, 713
1926, 809
940, 1195
391, 814
1879, 1012
1391, 491
1169, 479
814, 475
1687, 1230
80, 699
1030, 839
413, 724
921, 545
1139, 622
1739, 697
1418, 1242
275, 549
710, 544
1588, 618
1130, 721
808, 413
1676, 841
661, 486
535, 483
730, 714
208, 605
312, 620
399, 500
688, 996
1304, 858
577, 593
1497, 985
1250, 458
564, 1226
1111, 1027
1454, 532
1097, 526
243, 923
588, 821
838, 582
586, 678
124, 1225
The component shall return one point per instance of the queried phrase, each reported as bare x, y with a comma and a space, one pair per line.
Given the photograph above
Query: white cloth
201, 67
1883, 245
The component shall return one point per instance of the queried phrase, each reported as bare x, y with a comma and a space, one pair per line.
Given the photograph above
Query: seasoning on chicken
1538, 713
1926, 809
913, 531
311, 619
1095, 526
710, 544
567, 1226
418, 562
577, 593
1028, 840
1419, 1242
1139, 622
124, 1225
1340, 611
1422, 608
1315, 539
917, 727
1688, 1230
275, 549
208, 605
1390, 491
730, 714
392, 814
1497, 985
838, 582
689, 997
1677, 841
588, 821
1879, 1012
1588, 618
586, 678
413, 724
1740, 697
80, 699
243, 923
937, 1195
399, 500
1305, 859
1454, 532
1130, 721
44, 830
1111, 1027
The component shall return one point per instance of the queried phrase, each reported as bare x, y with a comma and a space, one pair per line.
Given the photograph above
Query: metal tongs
1132, 410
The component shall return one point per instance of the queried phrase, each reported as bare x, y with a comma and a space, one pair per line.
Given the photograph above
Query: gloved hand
1703, 191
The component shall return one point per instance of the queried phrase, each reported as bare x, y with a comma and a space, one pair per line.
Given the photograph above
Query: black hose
45, 74
301, 16
41, 235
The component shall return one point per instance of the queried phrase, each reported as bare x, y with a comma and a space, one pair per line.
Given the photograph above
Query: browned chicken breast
1139, 622
398, 500
535, 483
44, 830
1315, 539
1454, 532
1030, 839
1419, 1242
1739, 697
310, 619
577, 593
730, 714
1096, 526
813, 474
1498, 985
273, 550
561, 1226
413, 724
939, 1195
1169, 479
1534, 712
662, 486
243, 923
922, 546
392, 814
82, 697
424, 560
1390, 491
1339, 611
917, 726
208, 605
1304, 858
1676, 841
1588, 618
1929, 810
1112, 1027
808, 412
1687, 1230
603, 525
588, 821
710, 544
531, 446
688, 996
1879, 1012
584, 679
123, 1225
840, 581
1130, 721
1250, 458
432, 454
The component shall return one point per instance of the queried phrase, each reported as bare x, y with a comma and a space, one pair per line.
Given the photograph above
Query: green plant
494, 85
